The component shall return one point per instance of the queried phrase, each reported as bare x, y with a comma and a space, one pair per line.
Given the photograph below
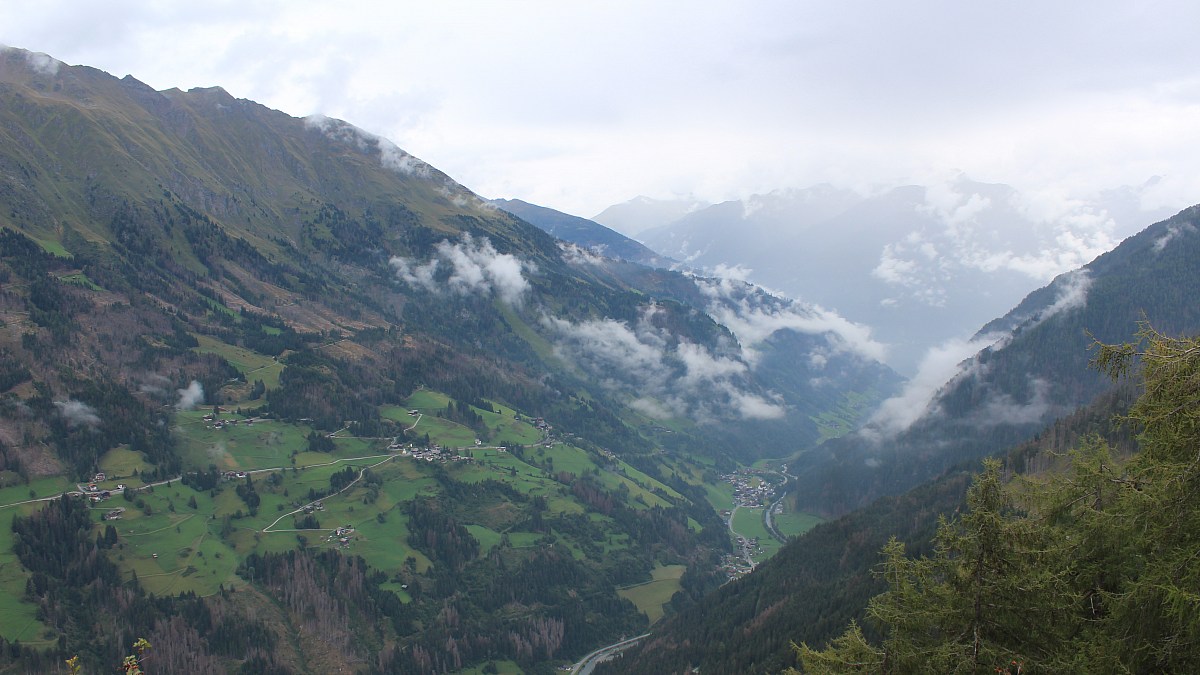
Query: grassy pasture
487, 537
53, 247
385, 545
253, 365
173, 547
504, 427
80, 279
18, 619
748, 522
121, 463
42, 487
794, 524
266, 444
650, 597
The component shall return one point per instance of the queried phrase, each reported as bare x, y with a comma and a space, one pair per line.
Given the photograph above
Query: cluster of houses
436, 453
735, 566
749, 490
341, 536
214, 422
231, 475
97, 494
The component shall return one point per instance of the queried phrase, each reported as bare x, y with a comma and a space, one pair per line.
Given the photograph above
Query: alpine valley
315, 407
278, 397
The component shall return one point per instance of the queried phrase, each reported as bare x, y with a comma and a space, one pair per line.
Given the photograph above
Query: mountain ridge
239, 316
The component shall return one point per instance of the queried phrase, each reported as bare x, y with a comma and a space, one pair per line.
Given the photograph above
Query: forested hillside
241, 348
1092, 570
585, 233
820, 582
1034, 371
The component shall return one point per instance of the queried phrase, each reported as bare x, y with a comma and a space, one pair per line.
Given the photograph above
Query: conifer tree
1099, 573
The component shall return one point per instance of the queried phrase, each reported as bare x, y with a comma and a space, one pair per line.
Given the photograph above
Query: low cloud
466, 268
992, 229
893, 268
77, 413
753, 315
154, 384
1072, 290
952, 360
390, 156
191, 397
579, 256
665, 377
43, 63
943, 201
39, 62
1002, 408
1173, 230
939, 365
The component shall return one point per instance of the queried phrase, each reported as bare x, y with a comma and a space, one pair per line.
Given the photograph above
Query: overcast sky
579, 105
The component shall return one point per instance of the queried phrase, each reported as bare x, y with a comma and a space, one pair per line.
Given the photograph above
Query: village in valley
751, 490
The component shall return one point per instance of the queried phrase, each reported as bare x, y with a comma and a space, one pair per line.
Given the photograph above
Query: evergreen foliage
1099, 573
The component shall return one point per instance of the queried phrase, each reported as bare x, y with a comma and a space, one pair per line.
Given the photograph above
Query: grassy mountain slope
164, 255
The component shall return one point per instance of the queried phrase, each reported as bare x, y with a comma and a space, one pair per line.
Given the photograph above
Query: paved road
587, 663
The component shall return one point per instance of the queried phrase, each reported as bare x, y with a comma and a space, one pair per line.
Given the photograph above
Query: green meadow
253, 365
650, 597
748, 522
795, 524
174, 538
18, 619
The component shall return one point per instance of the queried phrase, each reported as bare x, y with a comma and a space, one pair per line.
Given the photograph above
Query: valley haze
310, 360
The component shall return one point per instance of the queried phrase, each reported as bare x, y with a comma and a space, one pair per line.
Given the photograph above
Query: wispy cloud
976, 228
1072, 289
753, 315
1001, 408
951, 360
43, 63
77, 413
579, 256
154, 384
470, 266
664, 376
939, 365
390, 156
1173, 230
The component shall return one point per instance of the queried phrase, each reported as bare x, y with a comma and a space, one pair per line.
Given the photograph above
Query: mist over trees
1092, 570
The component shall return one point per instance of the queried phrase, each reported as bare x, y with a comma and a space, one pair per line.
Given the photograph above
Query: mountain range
280, 397
919, 264
1028, 396
267, 377
595, 238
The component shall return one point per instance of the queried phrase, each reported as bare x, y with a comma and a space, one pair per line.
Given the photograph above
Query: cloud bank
953, 359
468, 267
938, 367
753, 315
665, 377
